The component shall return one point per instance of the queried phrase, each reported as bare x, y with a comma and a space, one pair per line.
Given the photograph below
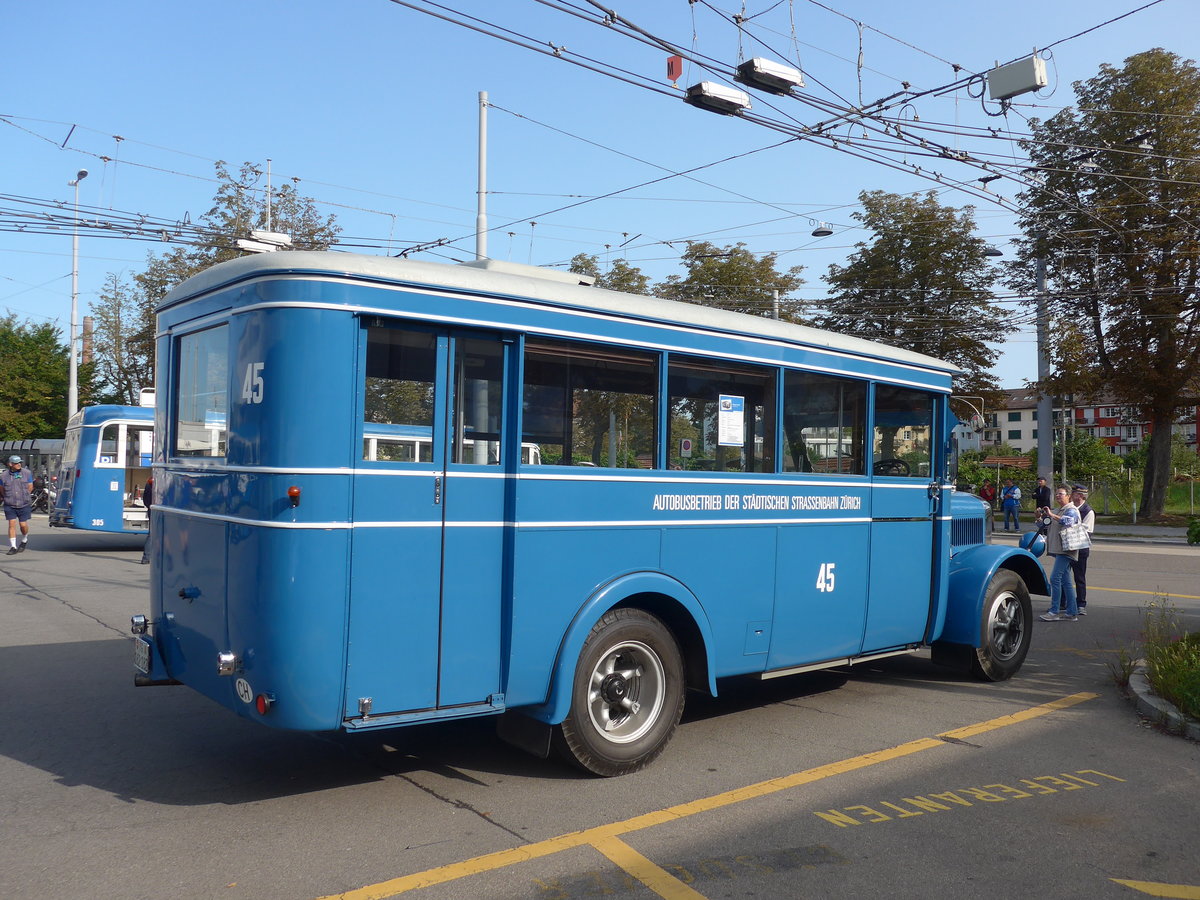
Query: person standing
1087, 516
988, 493
1010, 502
1041, 493
1063, 604
15, 485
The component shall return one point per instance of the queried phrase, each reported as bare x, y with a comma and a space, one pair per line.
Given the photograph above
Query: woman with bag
1064, 523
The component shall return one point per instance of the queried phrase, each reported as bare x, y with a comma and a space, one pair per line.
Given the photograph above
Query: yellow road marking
1147, 593
599, 835
658, 880
1154, 889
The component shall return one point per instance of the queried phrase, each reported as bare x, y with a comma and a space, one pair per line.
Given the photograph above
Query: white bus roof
549, 286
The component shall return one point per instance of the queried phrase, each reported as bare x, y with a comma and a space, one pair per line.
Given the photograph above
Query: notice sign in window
731, 421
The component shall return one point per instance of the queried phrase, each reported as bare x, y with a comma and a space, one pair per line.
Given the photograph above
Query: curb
1158, 710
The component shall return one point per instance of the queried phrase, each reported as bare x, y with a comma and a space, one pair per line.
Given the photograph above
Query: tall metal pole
73, 378
1045, 407
481, 205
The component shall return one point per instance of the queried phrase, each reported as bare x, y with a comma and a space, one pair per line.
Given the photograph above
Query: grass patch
1172, 657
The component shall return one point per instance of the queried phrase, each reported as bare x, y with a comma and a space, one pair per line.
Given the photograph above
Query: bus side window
478, 401
824, 424
903, 435
398, 395
589, 406
722, 417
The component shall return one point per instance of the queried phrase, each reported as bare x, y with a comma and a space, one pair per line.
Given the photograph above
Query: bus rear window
201, 392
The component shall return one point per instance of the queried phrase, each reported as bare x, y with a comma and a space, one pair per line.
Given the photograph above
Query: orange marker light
294, 495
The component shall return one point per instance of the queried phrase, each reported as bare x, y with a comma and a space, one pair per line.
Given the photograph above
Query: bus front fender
654, 592
971, 571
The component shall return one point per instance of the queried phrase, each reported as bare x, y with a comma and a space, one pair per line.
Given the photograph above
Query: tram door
429, 501
903, 517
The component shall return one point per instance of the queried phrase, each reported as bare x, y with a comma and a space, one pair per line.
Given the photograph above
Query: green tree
34, 369
123, 344
621, 276
1115, 226
1087, 457
732, 277
922, 283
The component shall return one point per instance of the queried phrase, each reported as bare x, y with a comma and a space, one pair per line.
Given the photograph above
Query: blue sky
372, 107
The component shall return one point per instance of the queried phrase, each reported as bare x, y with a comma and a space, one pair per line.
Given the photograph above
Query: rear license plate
141, 655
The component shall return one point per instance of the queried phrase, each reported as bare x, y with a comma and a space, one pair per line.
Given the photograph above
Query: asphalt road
898, 779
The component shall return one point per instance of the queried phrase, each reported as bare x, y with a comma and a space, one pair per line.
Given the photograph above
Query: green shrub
1172, 658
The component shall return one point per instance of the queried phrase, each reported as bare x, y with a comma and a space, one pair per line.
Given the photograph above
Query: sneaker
1065, 618
1083, 610
12, 551
1051, 617
21, 547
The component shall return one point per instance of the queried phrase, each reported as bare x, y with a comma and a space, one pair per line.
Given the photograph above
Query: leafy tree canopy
920, 282
34, 369
731, 277
123, 341
621, 276
1115, 226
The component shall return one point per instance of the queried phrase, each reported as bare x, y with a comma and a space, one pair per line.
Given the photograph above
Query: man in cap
15, 484
1087, 515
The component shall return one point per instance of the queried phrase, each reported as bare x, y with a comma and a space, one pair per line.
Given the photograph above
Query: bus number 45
825, 578
252, 386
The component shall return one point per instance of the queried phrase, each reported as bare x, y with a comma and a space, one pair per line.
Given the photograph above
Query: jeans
1062, 587
1080, 569
1011, 511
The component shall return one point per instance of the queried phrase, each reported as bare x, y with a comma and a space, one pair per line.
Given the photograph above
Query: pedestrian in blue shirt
15, 485
1010, 503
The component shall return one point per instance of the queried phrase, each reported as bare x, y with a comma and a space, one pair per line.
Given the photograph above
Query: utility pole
481, 203
1045, 407
73, 376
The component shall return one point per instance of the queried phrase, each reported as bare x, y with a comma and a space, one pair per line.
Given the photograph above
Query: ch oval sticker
245, 694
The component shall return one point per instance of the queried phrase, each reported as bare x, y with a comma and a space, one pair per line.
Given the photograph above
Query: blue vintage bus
105, 466
712, 495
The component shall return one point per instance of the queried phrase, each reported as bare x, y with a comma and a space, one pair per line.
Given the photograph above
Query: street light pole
73, 383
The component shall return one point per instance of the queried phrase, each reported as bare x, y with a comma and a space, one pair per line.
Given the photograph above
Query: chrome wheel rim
626, 692
1006, 625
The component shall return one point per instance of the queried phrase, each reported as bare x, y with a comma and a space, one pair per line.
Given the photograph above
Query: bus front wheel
627, 695
1006, 628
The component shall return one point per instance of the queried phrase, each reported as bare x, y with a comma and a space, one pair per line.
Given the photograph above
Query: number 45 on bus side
252, 386
825, 578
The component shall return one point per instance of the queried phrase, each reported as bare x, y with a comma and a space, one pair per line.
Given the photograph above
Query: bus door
429, 506
905, 494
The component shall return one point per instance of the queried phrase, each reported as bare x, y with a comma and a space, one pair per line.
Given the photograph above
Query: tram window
201, 393
399, 395
586, 405
722, 417
106, 452
824, 424
903, 436
478, 401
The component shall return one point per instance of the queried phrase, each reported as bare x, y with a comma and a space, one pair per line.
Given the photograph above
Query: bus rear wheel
627, 695
1006, 628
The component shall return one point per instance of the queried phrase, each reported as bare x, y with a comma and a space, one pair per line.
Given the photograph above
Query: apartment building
1121, 428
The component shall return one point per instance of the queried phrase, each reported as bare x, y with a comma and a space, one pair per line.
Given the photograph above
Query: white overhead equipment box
1019, 77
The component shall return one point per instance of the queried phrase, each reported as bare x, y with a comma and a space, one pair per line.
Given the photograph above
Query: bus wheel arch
1006, 627
627, 694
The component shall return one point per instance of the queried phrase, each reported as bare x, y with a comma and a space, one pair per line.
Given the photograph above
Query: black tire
627, 695
1006, 628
